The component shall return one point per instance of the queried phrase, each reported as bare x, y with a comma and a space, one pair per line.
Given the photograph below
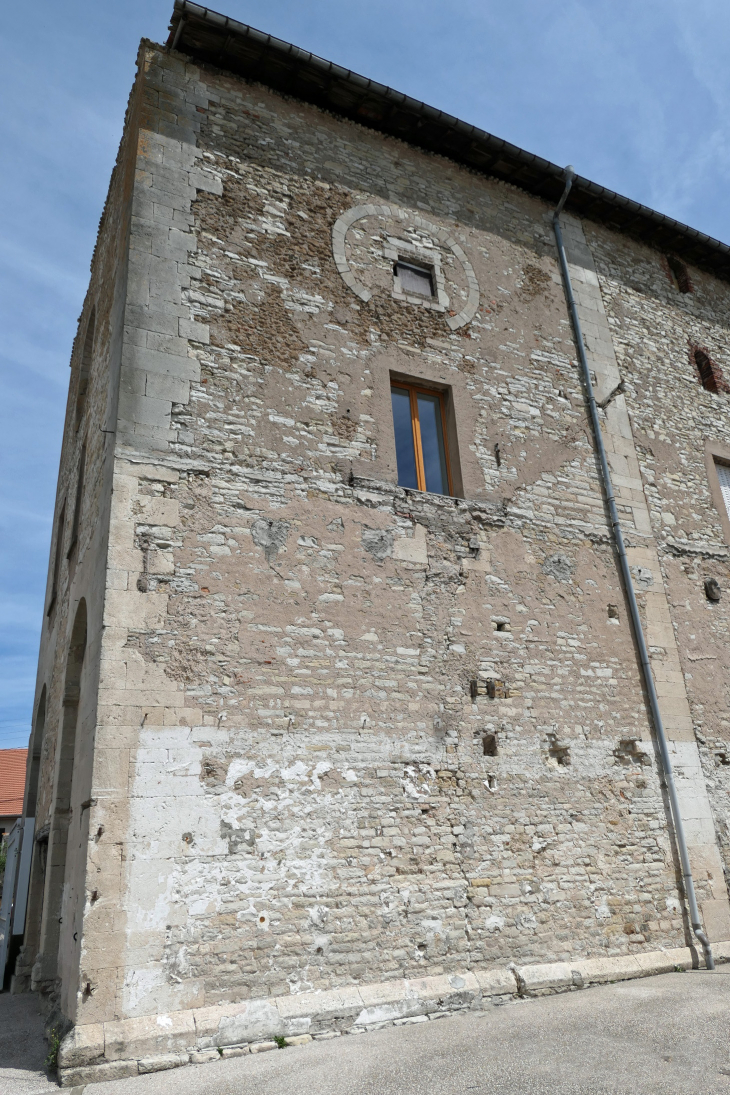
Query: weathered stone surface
321, 1005
551, 977
230, 1025
496, 982
142, 1037
598, 970
338, 740
82, 1046
96, 1073
163, 1061
204, 1056
412, 1001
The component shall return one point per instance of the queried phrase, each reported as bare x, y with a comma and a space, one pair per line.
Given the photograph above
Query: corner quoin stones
290, 793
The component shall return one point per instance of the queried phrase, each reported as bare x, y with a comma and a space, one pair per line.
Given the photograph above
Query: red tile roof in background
12, 781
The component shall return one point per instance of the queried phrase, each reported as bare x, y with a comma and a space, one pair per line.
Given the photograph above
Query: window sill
428, 493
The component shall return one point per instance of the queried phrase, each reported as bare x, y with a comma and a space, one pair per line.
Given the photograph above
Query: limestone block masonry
113, 1051
693, 795
317, 752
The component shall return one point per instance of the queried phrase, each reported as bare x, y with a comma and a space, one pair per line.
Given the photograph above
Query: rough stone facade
283, 787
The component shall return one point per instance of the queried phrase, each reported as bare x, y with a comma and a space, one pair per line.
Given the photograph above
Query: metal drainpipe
666, 762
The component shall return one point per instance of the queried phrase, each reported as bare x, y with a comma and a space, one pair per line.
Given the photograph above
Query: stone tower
339, 713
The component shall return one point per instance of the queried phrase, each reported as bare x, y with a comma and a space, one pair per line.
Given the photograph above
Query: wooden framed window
419, 421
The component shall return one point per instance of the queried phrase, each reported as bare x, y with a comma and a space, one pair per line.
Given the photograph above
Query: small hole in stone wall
502, 626
613, 612
629, 751
704, 367
489, 745
558, 750
319, 950
94, 897
722, 758
708, 371
262, 920
712, 589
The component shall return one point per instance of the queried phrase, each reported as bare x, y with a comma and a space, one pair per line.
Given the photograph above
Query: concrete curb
129, 1047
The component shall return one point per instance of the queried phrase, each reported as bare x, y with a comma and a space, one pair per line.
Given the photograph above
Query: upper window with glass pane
420, 438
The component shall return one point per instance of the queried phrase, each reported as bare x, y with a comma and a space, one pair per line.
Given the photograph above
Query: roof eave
225, 43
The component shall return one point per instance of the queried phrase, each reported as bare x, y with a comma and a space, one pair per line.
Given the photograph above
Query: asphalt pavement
667, 1034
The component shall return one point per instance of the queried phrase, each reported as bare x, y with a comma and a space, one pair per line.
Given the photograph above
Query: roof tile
12, 781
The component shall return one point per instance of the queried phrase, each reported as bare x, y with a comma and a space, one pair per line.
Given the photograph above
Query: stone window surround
717, 453
394, 250
356, 213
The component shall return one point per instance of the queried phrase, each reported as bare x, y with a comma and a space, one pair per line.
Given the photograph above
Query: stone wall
294, 787
65, 706
313, 806
680, 430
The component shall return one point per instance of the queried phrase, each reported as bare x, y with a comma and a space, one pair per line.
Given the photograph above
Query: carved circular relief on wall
381, 247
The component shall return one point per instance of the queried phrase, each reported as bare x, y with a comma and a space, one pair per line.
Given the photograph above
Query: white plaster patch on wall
168, 808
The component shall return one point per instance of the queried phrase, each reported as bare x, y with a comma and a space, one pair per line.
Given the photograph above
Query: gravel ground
22, 1049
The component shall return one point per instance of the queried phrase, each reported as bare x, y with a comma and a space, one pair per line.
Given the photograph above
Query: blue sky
634, 93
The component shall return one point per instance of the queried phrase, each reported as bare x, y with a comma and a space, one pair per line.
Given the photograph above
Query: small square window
419, 422
415, 278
